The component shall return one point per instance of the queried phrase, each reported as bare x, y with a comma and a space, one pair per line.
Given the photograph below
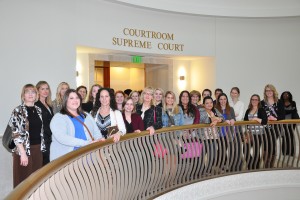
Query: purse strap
85, 127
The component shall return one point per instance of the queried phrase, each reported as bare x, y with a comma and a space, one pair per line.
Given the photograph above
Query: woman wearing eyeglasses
151, 114
255, 112
275, 111
27, 131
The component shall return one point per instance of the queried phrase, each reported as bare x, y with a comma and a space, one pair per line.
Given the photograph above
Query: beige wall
82, 67
203, 71
137, 78
122, 78
157, 76
39, 45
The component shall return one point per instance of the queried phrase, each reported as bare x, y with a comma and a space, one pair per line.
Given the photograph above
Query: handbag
7, 139
113, 129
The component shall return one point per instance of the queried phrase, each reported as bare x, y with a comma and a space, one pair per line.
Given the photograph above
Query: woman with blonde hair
45, 103
158, 97
172, 113
275, 111
28, 135
151, 114
135, 95
57, 103
88, 106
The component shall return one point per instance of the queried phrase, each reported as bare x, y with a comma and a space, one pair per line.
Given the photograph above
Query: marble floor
6, 172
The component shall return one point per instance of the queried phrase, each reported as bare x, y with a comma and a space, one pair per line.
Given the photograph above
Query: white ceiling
225, 8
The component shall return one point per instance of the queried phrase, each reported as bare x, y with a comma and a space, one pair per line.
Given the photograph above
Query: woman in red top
133, 121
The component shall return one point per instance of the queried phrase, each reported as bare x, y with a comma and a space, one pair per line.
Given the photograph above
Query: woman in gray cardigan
68, 131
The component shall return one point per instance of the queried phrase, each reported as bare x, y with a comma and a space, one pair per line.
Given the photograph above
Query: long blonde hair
59, 98
275, 93
48, 98
175, 108
162, 93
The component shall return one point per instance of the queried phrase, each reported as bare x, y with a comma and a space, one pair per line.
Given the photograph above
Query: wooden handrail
27, 187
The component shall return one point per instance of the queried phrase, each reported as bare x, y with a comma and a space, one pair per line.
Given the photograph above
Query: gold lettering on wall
140, 40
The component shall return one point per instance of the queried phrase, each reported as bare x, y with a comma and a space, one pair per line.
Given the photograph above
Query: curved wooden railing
141, 166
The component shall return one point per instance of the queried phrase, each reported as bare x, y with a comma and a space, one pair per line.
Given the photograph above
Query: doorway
119, 75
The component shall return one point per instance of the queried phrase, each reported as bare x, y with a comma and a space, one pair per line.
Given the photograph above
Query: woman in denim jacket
172, 114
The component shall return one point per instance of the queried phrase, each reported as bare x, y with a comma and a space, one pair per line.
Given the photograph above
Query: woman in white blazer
106, 115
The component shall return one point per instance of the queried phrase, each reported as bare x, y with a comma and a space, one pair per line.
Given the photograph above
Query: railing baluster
143, 166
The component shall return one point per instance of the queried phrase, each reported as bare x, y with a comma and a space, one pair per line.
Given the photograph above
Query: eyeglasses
30, 92
269, 90
254, 99
147, 93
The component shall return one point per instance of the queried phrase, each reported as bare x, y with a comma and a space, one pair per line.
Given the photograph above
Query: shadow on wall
6, 171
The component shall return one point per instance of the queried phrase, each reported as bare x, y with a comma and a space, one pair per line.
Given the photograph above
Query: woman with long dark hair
72, 128
210, 136
223, 107
291, 112
191, 114
91, 98
107, 115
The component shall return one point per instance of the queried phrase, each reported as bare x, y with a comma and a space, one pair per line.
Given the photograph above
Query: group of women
44, 130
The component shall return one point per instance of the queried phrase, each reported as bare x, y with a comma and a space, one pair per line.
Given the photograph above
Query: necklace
31, 109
